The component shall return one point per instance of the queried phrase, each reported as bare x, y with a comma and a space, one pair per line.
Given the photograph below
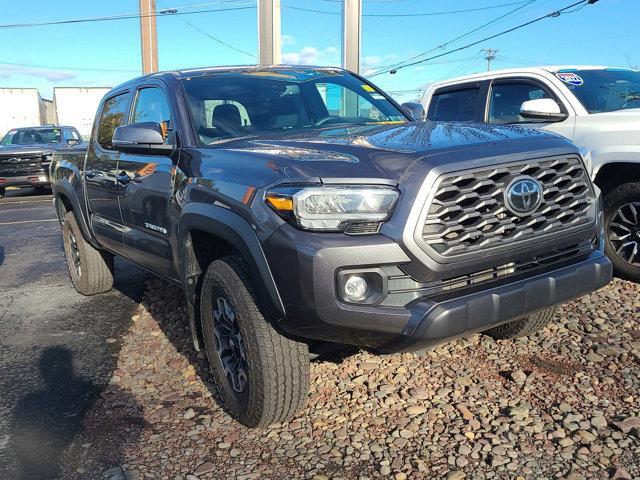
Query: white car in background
598, 108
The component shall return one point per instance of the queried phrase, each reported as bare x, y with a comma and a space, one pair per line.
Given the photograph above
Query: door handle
123, 178
90, 173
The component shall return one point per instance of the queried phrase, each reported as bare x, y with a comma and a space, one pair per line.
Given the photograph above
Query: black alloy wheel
229, 344
624, 233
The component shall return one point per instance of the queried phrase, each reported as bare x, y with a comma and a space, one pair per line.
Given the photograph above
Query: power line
553, 14
425, 14
217, 40
444, 62
459, 37
125, 16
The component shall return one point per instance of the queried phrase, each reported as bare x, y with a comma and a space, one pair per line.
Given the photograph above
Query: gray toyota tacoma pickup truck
301, 205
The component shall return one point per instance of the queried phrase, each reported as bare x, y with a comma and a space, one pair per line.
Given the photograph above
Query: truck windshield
604, 90
238, 104
29, 136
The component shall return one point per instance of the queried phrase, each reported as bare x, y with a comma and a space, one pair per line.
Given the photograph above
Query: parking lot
55, 357
111, 385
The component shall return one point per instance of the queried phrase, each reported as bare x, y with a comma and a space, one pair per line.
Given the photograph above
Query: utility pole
148, 36
269, 38
351, 34
490, 56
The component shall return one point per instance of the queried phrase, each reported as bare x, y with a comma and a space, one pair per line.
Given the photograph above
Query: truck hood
26, 150
373, 151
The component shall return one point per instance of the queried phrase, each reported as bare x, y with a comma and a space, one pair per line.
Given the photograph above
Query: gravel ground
563, 403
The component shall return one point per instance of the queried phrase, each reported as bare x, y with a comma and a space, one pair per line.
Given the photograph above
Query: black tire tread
613, 200
523, 326
97, 266
279, 386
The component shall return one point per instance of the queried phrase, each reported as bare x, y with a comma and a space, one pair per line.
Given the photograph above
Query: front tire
622, 229
2, 192
91, 270
523, 326
262, 376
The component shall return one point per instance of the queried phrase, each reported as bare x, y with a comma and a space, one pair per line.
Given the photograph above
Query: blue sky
107, 53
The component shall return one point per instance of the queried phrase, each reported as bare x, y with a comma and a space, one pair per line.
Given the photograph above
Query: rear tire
2, 192
622, 230
523, 326
90, 269
262, 376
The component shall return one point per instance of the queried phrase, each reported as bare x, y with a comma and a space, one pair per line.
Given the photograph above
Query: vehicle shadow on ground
47, 421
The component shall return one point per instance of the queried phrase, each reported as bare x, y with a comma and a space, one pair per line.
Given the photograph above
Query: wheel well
63, 206
613, 174
202, 248
207, 247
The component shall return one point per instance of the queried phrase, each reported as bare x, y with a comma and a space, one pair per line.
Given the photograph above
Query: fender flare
235, 230
62, 188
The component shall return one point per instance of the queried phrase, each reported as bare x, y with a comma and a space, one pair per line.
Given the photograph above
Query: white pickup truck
598, 108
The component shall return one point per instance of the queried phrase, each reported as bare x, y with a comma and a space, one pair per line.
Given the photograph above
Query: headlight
588, 161
47, 159
333, 208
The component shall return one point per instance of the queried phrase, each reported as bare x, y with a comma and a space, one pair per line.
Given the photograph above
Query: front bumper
34, 179
306, 269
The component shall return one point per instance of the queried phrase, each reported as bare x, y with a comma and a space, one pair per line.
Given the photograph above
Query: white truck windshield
604, 90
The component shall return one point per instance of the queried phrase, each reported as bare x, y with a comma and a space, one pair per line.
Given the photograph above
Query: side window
454, 105
70, 134
112, 116
341, 101
506, 99
151, 106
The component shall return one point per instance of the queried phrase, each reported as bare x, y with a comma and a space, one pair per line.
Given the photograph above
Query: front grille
19, 166
468, 212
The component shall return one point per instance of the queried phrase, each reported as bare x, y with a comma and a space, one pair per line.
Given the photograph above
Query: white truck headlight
333, 208
588, 160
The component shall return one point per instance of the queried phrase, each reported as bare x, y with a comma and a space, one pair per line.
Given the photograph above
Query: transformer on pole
269, 41
351, 34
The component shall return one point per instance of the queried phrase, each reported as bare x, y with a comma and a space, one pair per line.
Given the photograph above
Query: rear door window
507, 98
113, 115
459, 105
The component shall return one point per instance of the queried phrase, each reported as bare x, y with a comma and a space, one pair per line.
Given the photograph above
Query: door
147, 186
506, 97
100, 175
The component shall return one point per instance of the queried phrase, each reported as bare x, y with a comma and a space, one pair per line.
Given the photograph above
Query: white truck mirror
542, 109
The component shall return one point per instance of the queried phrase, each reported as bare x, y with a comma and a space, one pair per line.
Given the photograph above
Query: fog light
355, 288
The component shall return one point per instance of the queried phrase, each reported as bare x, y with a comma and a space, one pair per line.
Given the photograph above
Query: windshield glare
237, 104
30, 136
605, 90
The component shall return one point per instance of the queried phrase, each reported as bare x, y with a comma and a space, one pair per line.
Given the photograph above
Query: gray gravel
562, 403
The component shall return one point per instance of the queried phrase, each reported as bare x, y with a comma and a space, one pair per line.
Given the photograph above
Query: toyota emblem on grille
523, 195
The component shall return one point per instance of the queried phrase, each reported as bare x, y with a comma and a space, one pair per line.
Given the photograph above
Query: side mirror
542, 109
144, 138
72, 142
415, 110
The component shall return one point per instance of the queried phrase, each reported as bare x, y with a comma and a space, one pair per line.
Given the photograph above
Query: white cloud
9, 70
287, 40
311, 56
